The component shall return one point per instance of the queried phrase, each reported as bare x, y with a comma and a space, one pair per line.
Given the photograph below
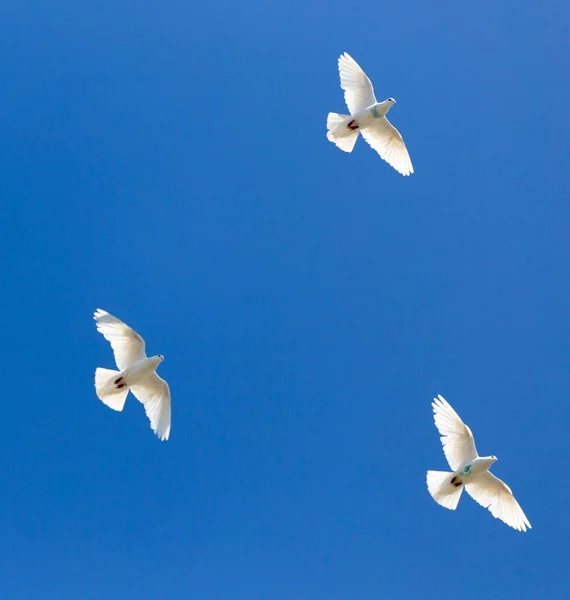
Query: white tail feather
441, 489
107, 391
338, 133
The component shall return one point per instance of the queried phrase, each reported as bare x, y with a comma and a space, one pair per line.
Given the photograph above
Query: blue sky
168, 163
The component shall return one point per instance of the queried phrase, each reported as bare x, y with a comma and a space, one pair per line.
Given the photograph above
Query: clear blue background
168, 163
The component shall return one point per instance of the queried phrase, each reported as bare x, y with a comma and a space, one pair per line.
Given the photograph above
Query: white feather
492, 493
441, 490
457, 439
339, 134
106, 392
358, 90
127, 344
154, 393
383, 137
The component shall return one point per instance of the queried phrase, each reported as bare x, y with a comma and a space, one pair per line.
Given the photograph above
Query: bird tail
445, 488
338, 133
111, 389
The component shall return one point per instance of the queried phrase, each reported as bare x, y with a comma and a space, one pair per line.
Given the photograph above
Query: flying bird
470, 471
367, 116
136, 373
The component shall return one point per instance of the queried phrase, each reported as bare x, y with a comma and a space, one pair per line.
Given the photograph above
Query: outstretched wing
492, 493
154, 393
456, 437
358, 90
127, 344
387, 141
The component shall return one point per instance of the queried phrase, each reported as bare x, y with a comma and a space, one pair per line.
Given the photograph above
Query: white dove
367, 116
137, 373
470, 470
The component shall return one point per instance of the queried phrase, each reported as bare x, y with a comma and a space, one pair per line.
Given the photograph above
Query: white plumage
136, 373
367, 116
470, 471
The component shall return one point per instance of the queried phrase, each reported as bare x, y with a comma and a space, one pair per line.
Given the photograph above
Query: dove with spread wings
367, 116
136, 373
470, 471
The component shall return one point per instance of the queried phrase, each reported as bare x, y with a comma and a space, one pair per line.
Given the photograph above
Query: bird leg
120, 383
352, 126
455, 482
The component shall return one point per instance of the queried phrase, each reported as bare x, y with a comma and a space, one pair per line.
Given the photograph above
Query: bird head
386, 105
493, 458
160, 357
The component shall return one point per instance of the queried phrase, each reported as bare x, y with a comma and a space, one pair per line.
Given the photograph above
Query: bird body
367, 116
137, 373
142, 369
474, 468
363, 119
470, 471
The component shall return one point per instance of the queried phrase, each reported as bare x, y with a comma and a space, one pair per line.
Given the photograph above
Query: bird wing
154, 393
127, 344
388, 142
358, 90
456, 437
492, 493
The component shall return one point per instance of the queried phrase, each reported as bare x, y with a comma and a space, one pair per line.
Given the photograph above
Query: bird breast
141, 369
479, 465
370, 115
